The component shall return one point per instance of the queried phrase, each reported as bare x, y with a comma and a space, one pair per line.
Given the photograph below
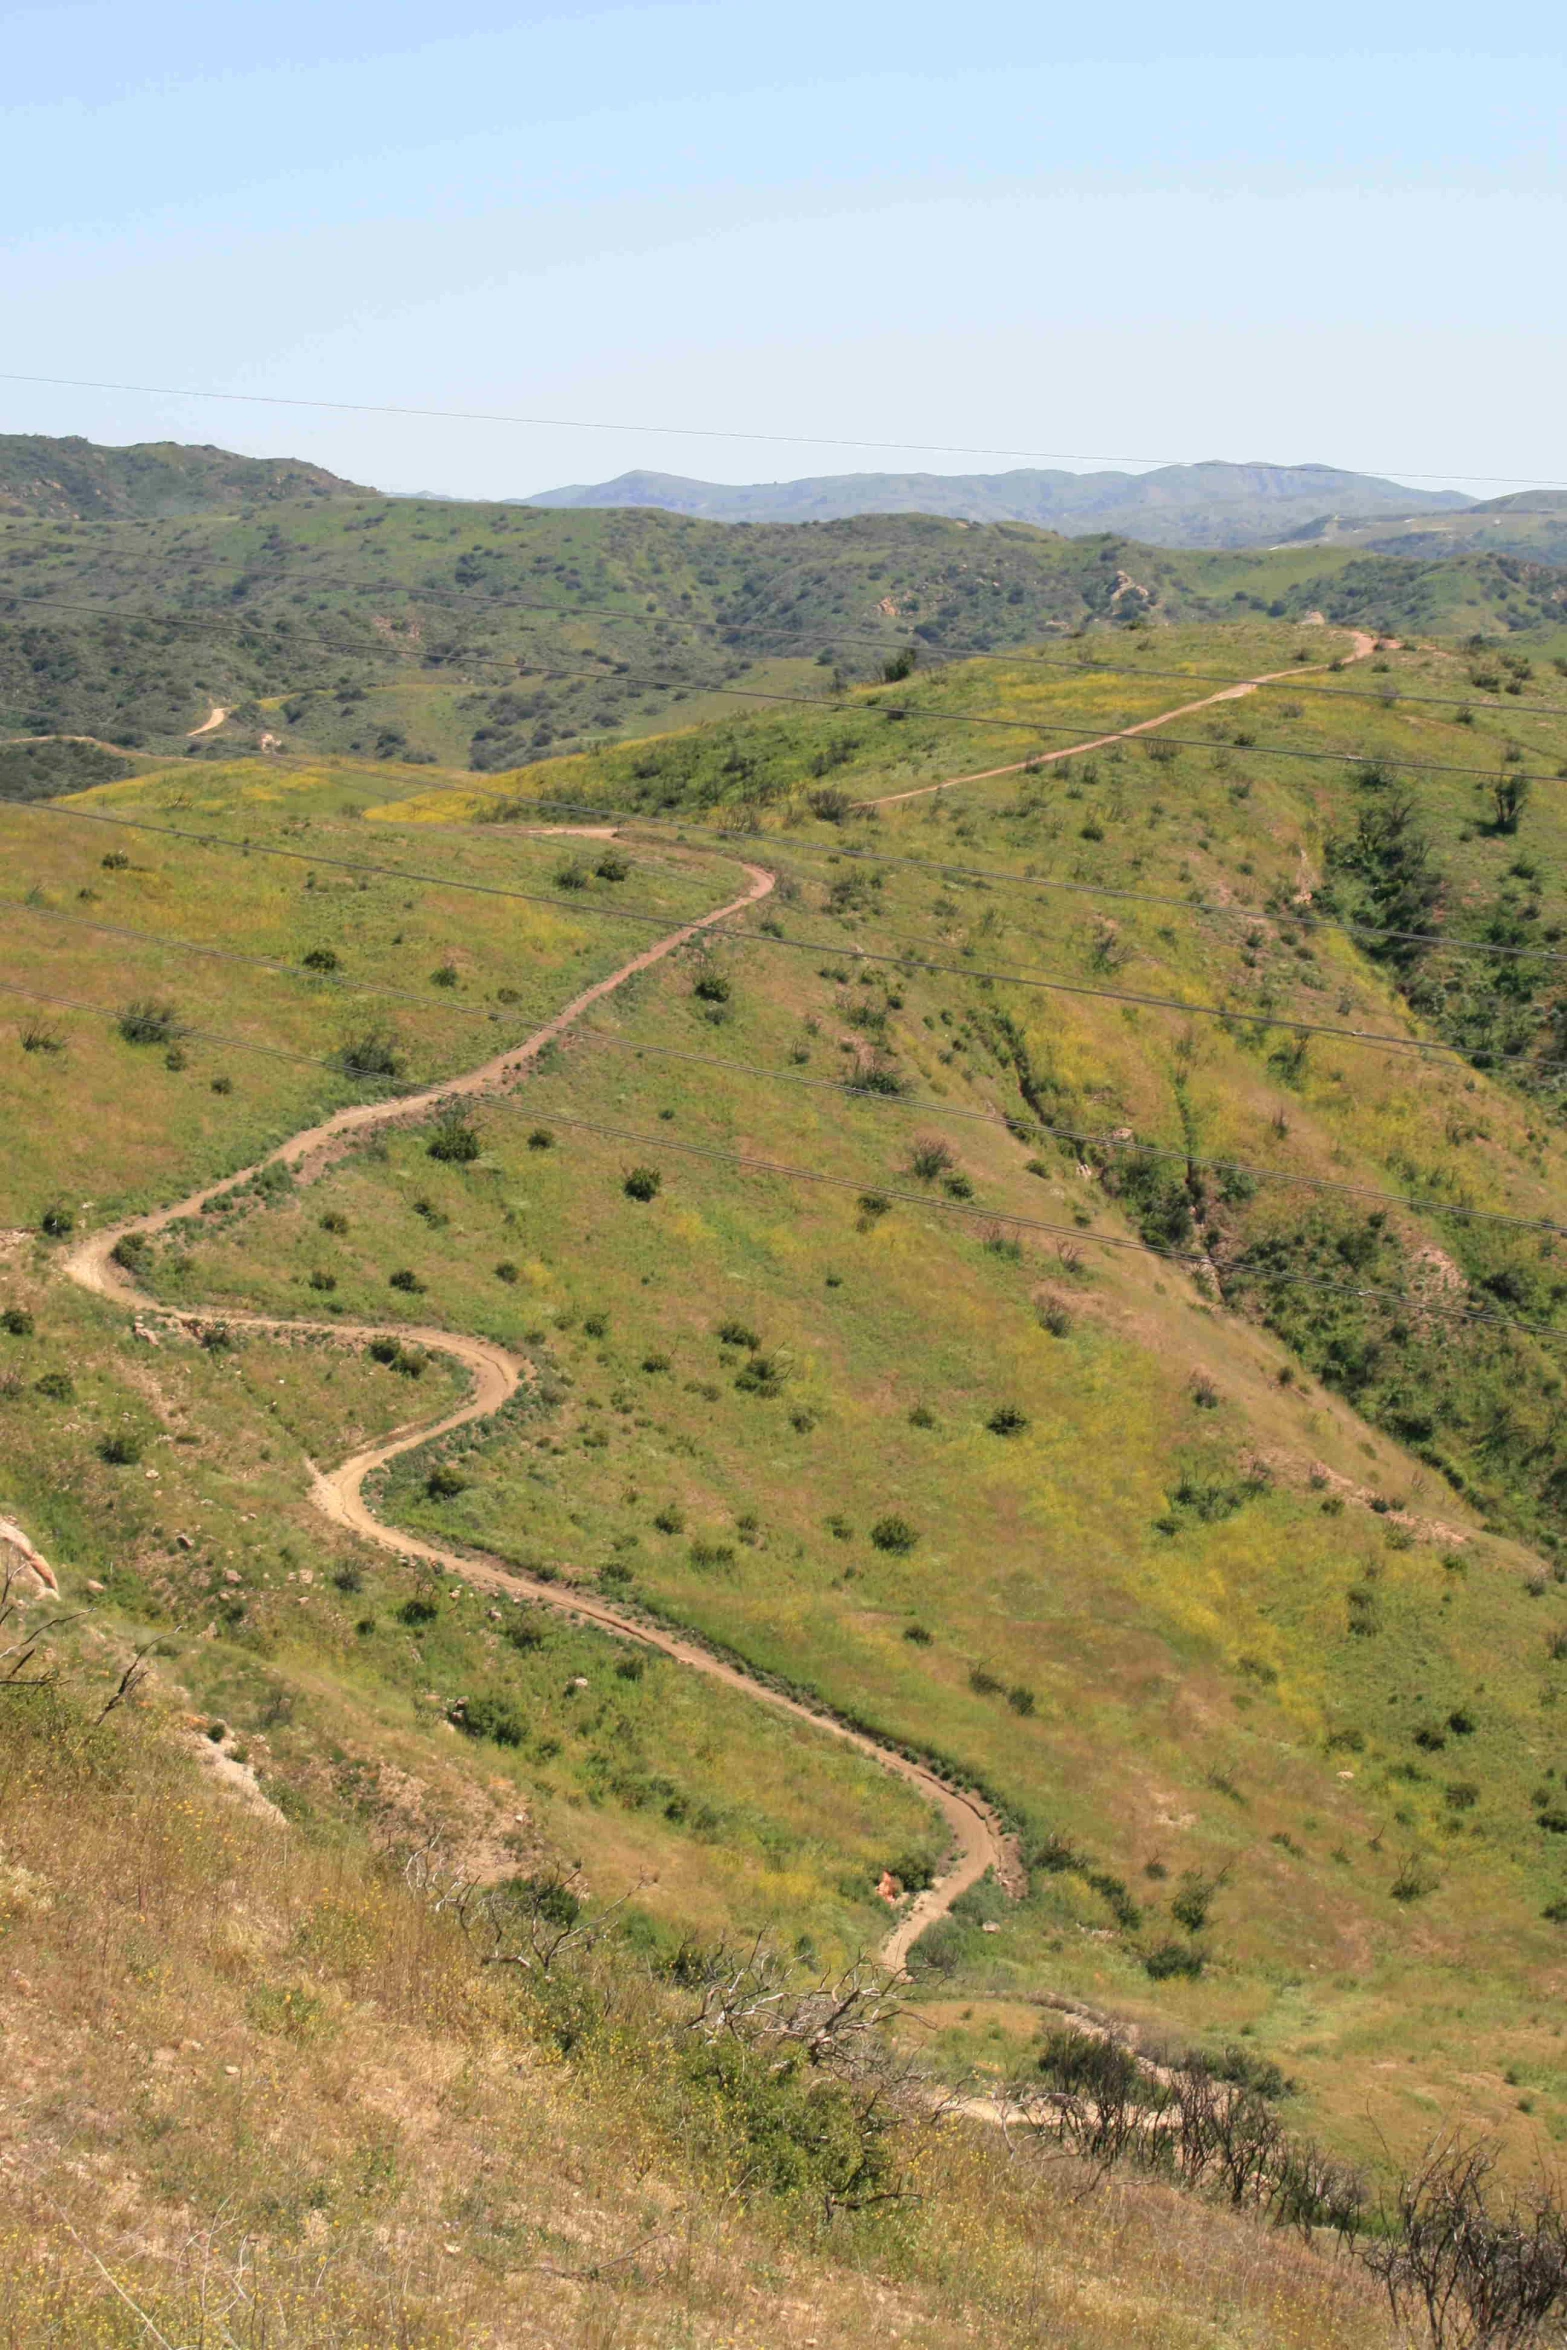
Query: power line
669, 431
753, 1165
931, 1109
1240, 1018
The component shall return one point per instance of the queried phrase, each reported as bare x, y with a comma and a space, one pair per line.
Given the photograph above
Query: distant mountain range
76, 480
1210, 505
1216, 506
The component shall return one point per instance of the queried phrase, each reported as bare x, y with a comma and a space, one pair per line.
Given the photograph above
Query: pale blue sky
1131, 232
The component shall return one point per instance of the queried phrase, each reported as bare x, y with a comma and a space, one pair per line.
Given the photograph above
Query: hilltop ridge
1214, 504
71, 479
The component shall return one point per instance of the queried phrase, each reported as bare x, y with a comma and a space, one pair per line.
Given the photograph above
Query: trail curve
1364, 646
338, 1493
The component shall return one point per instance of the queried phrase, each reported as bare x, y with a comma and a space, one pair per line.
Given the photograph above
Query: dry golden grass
258, 2092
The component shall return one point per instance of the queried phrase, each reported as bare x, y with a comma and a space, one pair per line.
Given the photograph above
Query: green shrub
1021, 1698
120, 1450
333, 1222
375, 1054
929, 1157
541, 1139
895, 1534
1111, 1889
572, 875
455, 1141
733, 1333
444, 1482
1007, 1420
406, 1280
488, 1717
711, 987
643, 1183
829, 805
1169, 1959
323, 1281
322, 959
56, 1223
414, 1612
1083, 2064
506, 1271
612, 866
146, 1022
445, 975
1192, 1903
18, 1322
939, 1950
921, 1636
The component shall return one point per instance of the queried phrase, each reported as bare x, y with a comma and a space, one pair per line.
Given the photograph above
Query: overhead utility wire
902, 960
942, 656
751, 1165
925, 1108
700, 432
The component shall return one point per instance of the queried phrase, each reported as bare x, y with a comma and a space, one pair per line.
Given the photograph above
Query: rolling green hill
79, 481
1529, 524
1069, 1281
486, 636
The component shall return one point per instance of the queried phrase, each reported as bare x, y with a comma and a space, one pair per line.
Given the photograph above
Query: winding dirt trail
1364, 646
496, 1375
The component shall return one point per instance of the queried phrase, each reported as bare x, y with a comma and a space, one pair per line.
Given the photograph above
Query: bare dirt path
1364, 646
496, 1374
209, 725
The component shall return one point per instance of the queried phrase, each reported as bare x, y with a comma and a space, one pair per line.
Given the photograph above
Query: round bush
894, 1534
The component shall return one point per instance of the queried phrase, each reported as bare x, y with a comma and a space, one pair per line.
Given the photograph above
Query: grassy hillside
1017, 1285
1530, 524
267, 2092
487, 636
